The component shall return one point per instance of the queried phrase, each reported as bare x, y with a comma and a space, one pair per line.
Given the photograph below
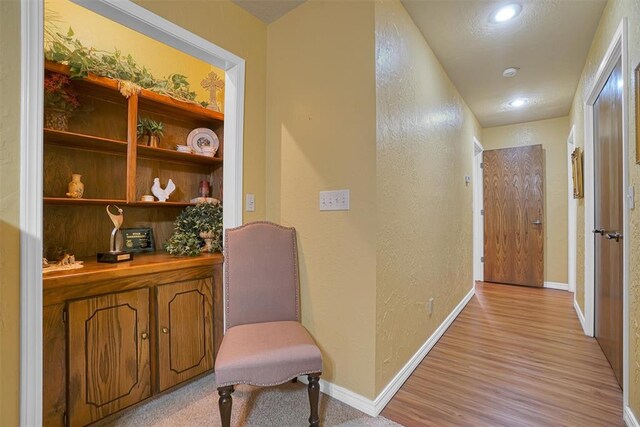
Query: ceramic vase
56, 119
208, 240
76, 187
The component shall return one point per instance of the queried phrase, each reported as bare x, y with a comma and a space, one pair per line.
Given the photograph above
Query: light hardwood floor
515, 356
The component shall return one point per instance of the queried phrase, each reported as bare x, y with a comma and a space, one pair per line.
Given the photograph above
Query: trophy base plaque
113, 257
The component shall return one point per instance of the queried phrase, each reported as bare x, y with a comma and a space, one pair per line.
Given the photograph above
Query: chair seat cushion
265, 354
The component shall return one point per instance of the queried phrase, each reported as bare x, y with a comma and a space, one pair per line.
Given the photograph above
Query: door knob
614, 236
598, 231
536, 222
144, 335
165, 330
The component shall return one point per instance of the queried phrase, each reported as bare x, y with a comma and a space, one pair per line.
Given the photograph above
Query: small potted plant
60, 101
151, 129
197, 229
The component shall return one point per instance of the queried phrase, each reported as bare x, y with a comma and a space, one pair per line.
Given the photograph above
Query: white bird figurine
162, 193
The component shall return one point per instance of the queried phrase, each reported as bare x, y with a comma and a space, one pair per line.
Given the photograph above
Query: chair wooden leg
224, 402
314, 399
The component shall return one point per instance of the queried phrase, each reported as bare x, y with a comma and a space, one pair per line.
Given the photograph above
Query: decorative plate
200, 138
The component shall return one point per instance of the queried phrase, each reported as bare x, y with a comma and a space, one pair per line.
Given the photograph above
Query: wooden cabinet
185, 331
108, 355
115, 335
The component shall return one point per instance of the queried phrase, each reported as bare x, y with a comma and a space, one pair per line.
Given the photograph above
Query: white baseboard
629, 417
576, 307
347, 396
374, 407
556, 285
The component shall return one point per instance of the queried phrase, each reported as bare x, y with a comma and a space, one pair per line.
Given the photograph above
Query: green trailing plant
203, 217
82, 60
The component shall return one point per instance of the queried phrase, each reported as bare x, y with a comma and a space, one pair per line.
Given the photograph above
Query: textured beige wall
552, 134
9, 212
611, 18
321, 136
234, 29
424, 150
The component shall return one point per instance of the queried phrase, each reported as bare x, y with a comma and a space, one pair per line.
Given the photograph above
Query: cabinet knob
165, 330
144, 335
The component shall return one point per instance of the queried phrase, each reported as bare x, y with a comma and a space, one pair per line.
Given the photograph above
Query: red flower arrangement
59, 94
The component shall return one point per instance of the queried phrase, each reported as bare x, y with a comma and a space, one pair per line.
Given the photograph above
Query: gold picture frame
637, 115
576, 167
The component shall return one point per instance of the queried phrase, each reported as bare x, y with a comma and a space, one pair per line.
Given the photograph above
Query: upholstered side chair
264, 343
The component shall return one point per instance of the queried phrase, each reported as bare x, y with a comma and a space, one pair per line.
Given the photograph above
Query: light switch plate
250, 202
337, 200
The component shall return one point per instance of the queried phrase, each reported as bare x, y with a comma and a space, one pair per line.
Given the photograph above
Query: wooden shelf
176, 156
85, 142
104, 82
68, 201
166, 104
120, 202
161, 204
163, 102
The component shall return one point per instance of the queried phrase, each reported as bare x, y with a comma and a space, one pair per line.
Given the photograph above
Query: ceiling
268, 10
549, 41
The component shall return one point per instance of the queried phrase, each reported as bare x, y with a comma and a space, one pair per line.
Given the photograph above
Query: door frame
31, 162
616, 51
572, 218
478, 205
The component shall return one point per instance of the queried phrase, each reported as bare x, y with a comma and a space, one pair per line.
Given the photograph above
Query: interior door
608, 220
514, 211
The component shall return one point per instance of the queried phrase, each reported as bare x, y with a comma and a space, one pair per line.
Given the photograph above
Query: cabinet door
108, 354
185, 331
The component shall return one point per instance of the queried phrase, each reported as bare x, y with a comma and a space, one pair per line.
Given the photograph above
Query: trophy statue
115, 254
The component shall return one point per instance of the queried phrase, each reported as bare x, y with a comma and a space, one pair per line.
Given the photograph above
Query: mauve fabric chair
264, 343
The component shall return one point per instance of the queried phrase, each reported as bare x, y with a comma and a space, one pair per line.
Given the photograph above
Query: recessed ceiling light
506, 13
518, 102
510, 72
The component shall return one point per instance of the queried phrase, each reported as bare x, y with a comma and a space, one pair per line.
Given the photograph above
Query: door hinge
481, 165
481, 259
64, 419
64, 315
481, 211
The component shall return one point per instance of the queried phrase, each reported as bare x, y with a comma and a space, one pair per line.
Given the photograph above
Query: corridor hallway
515, 356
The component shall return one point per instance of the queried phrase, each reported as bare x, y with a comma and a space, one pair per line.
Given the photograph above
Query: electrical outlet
430, 306
337, 200
250, 202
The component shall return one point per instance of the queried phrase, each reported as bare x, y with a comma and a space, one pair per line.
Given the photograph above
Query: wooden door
514, 210
185, 331
108, 354
608, 220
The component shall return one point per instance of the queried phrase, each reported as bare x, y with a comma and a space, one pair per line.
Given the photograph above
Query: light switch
337, 200
250, 202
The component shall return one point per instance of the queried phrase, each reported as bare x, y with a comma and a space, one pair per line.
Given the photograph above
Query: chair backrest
261, 279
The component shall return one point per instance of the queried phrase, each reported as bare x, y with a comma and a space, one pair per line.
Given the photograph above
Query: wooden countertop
142, 264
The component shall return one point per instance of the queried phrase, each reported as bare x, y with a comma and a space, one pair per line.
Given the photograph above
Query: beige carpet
287, 405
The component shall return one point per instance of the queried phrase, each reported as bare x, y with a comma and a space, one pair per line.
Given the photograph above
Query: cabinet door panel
108, 354
185, 326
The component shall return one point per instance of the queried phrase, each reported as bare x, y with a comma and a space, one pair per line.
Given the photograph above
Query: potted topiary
151, 129
197, 229
60, 101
